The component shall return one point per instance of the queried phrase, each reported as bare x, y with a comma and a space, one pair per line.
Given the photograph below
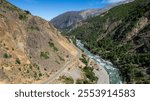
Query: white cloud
114, 1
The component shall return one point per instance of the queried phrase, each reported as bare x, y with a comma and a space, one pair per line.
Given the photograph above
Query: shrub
6, 55
90, 74
44, 55
83, 59
18, 61
22, 17
51, 44
40, 74
19, 69
28, 12
67, 80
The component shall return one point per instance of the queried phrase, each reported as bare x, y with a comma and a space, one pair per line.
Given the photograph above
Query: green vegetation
51, 44
40, 74
31, 71
47, 75
89, 75
131, 56
35, 66
23, 17
36, 75
67, 80
89, 78
83, 59
44, 55
55, 49
18, 61
27, 12
83, 81
6, 56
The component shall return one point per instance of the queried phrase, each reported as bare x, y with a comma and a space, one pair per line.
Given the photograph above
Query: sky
49, 9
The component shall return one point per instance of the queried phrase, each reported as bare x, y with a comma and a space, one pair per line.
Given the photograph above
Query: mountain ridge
70, 19
121, 36
31, 49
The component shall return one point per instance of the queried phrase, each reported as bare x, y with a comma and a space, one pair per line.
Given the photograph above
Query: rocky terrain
33, 51
122, 36
66, 21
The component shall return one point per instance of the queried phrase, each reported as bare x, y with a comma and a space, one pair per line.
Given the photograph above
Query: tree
28, 12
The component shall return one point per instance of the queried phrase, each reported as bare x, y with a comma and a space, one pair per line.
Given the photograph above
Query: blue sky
48, 9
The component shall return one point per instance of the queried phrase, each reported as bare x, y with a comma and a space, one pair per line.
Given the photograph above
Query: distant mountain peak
69, 19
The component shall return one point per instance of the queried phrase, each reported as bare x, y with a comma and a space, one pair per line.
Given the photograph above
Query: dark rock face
68, 20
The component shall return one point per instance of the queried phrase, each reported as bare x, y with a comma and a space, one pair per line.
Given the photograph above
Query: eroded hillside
31, 49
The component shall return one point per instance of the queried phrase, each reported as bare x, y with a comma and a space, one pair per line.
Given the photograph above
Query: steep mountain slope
68, 20
121, 35
31, 49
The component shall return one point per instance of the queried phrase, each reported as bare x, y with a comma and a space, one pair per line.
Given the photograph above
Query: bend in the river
114, 76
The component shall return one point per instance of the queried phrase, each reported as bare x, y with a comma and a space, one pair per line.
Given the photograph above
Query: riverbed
114, 77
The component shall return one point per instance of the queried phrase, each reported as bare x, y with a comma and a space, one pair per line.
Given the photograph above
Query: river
114, 77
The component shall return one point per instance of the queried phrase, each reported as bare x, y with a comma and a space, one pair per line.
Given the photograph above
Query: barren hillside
30, 48
33, 51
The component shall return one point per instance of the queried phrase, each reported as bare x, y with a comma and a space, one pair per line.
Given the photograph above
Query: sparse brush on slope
25, 41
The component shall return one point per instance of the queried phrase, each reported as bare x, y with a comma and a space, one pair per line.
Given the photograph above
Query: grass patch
44, 55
